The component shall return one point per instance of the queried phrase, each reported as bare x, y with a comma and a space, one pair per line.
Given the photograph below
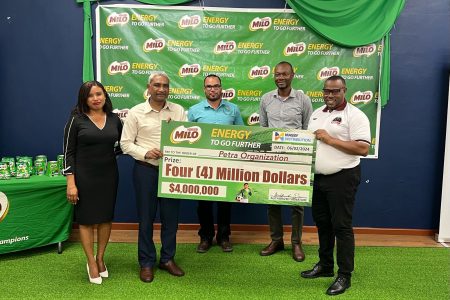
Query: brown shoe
297, 252
226, 246
272, 248
146, 274
204, 246
172, 268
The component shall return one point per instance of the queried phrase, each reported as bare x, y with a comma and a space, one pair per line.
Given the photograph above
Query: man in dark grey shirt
285, 108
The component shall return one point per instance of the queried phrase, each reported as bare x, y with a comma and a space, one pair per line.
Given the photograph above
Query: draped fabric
349, 23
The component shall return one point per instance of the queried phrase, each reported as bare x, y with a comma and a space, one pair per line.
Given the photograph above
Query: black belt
140, 162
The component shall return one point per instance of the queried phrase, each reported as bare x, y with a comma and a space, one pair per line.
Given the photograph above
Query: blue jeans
146, 189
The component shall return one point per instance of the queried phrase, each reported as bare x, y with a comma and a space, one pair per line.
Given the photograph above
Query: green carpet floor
380, 273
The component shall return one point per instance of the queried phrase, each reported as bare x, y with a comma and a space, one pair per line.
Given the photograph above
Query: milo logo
228, 94
152, 45
122, 113
367, 50
253, 119
189, 21
294, 49
326, 72
189, 70
361, 97
181, 134
117, 19
118, 67
261, 72
4, 206
225, 47
258, 23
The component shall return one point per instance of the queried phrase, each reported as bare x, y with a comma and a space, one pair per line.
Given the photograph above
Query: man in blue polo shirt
214, 110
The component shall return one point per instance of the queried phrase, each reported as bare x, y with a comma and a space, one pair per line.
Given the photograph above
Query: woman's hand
72, 190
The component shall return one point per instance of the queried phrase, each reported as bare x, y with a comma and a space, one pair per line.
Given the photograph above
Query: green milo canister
40, 166
43, 157
29, 160
23, 169
4, 171
60, 160
52, 168
11, 164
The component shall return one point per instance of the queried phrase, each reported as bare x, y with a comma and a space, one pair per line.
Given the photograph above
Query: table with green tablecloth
34, 212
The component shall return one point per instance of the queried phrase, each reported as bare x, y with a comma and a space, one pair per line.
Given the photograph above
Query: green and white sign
242, 46
236, 163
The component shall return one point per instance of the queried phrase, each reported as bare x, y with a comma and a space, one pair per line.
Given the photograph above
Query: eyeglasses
331, 91
215, 87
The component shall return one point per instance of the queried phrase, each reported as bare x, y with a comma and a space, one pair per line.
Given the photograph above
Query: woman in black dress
91, 170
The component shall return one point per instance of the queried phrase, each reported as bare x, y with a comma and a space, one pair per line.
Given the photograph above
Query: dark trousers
146, 189
276, 223
332, 210
206, 219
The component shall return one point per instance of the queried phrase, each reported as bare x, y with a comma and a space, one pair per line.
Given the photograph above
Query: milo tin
52, 168
4, 170
11, 164
43, 157
39, 166
23, 169
29, 160
60, 160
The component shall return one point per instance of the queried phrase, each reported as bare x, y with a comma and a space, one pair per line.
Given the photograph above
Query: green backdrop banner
241, 46
237, 163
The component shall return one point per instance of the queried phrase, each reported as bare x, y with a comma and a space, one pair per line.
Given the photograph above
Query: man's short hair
336, 77
156, 73
285, 63
212, 75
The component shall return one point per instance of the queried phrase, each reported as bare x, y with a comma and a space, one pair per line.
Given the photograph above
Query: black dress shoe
146, 274
172, 268
317, 271
204, 246
272, 248
226, 246
339, 286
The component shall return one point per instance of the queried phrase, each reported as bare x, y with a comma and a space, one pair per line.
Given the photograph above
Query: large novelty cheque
236, 163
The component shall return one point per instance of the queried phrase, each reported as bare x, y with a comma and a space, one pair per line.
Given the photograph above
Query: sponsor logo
367, 50
189, 21
294, 48
181, 134
258, 23
278, 136
363, 97
261, 72
189, 70
4, 206
117, 19
122, 113
151, 45
253, 119
228, 94
225, 47
337, 120
118, 67
327, 72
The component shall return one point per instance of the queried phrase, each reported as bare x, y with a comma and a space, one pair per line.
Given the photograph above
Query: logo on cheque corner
361, 97
189, 21
189, 70
278, 136
258, 23
228, 94
294, 49
225, 47
117, 19
4, 206
152, 45
367, 50
261, 72
253, 119
118, 67
326, 72
182, 134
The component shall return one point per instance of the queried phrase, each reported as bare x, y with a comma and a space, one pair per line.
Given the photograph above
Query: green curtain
352, 23
349, 23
